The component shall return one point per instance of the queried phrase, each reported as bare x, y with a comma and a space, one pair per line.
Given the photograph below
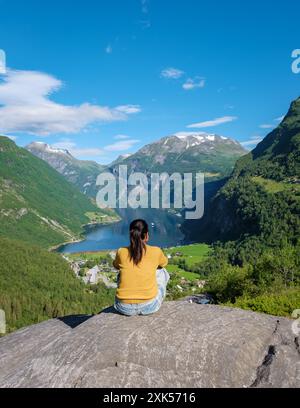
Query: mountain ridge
190, 152
37, 204
263, 186
82, 173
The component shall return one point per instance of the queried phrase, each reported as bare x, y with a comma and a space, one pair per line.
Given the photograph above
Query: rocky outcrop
183, 345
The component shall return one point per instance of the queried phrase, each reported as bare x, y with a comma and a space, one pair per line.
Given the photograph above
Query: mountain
37, 204
82, 173
212, 154
119, 159
278, 155
260, 201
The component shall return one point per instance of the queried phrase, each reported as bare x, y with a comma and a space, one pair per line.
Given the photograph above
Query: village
97, 268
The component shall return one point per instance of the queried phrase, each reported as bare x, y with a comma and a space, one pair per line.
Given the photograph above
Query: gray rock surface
183, 345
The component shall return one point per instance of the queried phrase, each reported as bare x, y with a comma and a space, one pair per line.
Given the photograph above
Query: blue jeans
151, 306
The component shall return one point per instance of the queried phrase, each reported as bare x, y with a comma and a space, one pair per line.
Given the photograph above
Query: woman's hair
138, 230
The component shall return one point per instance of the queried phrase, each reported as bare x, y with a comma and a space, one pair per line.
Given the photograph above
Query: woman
142, 279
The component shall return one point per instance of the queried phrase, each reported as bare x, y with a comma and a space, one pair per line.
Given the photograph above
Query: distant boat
152, 224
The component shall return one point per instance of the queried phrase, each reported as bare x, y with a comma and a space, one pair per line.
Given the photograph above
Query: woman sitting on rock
142, 279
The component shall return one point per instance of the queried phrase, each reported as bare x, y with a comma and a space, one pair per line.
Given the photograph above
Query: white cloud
266, 126
121, 145
120, 137
25, 106
193, 83
76, 151
108, 49
279, 119
128, 109
214, 122
254, 140
171, 73
185, 134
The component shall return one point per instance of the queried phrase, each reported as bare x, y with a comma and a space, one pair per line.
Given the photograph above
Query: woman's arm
163, 260
116, 261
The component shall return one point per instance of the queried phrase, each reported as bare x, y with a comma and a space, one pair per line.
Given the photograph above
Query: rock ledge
183, 345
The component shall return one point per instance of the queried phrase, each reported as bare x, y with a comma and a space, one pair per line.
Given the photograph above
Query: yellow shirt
137, 283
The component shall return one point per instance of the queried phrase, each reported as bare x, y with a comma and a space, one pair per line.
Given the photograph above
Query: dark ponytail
138, 230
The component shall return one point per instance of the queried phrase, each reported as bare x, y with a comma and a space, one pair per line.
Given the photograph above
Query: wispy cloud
128, 109
25, 106
212, 123
121, 137
228, 106
279, 119
122, 145
76, 151
108, 49
190, 83
145, 6
172, 73
185, 134
253, 141
145, 24
266, 126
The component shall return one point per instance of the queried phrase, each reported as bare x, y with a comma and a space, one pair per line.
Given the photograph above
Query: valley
243, 253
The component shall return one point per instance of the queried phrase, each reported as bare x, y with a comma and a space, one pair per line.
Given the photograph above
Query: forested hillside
82, 173
261, 198
256, 215
37, 205
36, 285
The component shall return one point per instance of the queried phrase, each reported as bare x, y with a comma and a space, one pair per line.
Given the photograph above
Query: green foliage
256, 285
279, 304
36, 285
37, 204
188, 257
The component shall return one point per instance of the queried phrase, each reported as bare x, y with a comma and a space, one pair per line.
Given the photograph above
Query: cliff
183, 345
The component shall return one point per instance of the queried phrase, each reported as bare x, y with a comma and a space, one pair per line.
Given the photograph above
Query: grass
191, 276
87, 256
104, 217
193, 253
272, 186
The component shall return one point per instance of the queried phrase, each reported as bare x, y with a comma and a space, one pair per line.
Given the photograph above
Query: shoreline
91, 224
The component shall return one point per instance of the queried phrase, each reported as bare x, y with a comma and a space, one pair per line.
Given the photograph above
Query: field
272, 186
193, 253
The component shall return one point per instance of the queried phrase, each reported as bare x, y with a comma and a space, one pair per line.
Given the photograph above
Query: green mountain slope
37, 204
36, 285
261, 198
257, 216
82, 173
278, 155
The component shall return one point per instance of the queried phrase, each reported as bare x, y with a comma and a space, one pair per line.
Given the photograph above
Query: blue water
164, 232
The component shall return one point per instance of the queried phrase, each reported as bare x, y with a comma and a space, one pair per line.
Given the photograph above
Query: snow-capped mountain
82, 173
187, 152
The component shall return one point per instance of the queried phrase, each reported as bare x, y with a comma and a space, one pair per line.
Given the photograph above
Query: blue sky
103, 78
